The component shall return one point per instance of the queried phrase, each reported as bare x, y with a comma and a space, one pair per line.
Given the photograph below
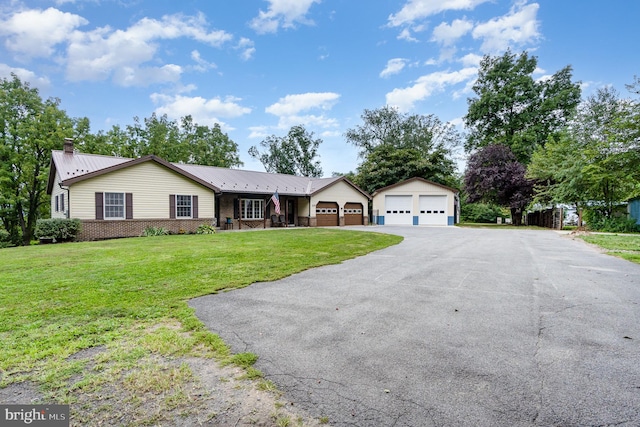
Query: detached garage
416, 201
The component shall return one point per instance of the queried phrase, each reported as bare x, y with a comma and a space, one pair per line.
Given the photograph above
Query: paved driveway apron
452, 327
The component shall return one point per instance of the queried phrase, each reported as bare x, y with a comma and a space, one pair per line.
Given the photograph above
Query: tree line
30, 128
528, 142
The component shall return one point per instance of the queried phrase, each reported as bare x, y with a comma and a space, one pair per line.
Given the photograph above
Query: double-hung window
183, 206
113, 205
252, 208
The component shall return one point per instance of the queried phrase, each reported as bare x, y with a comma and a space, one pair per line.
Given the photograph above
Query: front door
291, 212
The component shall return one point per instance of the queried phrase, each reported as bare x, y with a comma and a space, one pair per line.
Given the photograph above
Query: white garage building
416, 201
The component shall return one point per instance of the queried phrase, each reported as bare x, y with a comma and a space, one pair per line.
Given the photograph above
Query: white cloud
447, 34
202, 64
471, 60
404, 99
246, 46
282, 13
405, 34
294, 104
518, 27
259, 132
35, 33
415, 10
308, 120
292, 108
394, 66
25, 76
204, 111
104, 53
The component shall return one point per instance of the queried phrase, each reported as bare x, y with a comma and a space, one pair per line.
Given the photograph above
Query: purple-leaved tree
494, 175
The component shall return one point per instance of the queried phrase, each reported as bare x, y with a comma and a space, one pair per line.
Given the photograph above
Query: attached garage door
433, 210
327, 214
353, 214
397, 210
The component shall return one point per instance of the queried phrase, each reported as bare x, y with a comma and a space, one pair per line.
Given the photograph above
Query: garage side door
327, 214
397, 210
353, 214
433, 210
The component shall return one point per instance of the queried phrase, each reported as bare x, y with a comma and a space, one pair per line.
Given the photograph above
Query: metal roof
244, 181
77, 166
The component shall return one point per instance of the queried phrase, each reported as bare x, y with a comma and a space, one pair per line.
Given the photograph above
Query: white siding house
119, 197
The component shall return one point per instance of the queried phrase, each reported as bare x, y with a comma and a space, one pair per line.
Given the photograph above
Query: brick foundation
100, 230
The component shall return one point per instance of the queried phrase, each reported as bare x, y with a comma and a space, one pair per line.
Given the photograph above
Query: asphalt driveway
452, 327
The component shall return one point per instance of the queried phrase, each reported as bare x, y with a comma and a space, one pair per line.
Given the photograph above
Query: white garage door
398, 210
433, 210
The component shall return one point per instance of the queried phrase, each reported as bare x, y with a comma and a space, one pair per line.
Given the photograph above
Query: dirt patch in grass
180, 391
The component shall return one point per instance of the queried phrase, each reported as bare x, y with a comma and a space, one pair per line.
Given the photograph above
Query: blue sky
258, 67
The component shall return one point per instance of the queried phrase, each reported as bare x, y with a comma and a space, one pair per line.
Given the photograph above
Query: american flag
276, 202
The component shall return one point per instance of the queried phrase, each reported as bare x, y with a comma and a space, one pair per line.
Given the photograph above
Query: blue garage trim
450, 220
415, 220
380, 220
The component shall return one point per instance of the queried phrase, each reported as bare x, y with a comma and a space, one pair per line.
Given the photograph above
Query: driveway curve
452, 327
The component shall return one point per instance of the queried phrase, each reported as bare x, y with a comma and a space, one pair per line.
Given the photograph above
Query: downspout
68, 213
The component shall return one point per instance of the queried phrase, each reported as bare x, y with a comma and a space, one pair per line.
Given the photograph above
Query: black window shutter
99, 206
172, 206
129, 205
62, 202
57, 204
236, 208
194, 207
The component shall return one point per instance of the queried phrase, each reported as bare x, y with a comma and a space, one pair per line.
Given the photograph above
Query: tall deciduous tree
294, 154
514, 109
30, 128
494, 175
596, 162
182, 141
396, 146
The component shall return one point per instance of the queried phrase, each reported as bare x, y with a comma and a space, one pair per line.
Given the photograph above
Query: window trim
178, 206
260, 209
104, 206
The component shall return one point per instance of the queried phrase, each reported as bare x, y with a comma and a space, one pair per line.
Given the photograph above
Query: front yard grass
80, 319
625, 246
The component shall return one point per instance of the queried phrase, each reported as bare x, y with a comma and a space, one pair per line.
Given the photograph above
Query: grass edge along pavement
105, 326
626, 246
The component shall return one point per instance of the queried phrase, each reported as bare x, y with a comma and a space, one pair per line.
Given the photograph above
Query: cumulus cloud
246, 48
404, 99
282, 13
121, 54
260, 132
447, 34
35, 33
518, 27
300, 109
471, 60
415, 10
201, 63
127, 56
295, 104
204, 111
394, 66
25, 75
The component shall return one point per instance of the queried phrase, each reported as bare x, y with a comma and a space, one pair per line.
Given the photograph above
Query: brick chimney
68, 146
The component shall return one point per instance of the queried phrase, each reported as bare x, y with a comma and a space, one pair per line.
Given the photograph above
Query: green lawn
625, 246
129, 296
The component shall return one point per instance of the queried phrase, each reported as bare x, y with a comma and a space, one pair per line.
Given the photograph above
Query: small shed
416, 201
